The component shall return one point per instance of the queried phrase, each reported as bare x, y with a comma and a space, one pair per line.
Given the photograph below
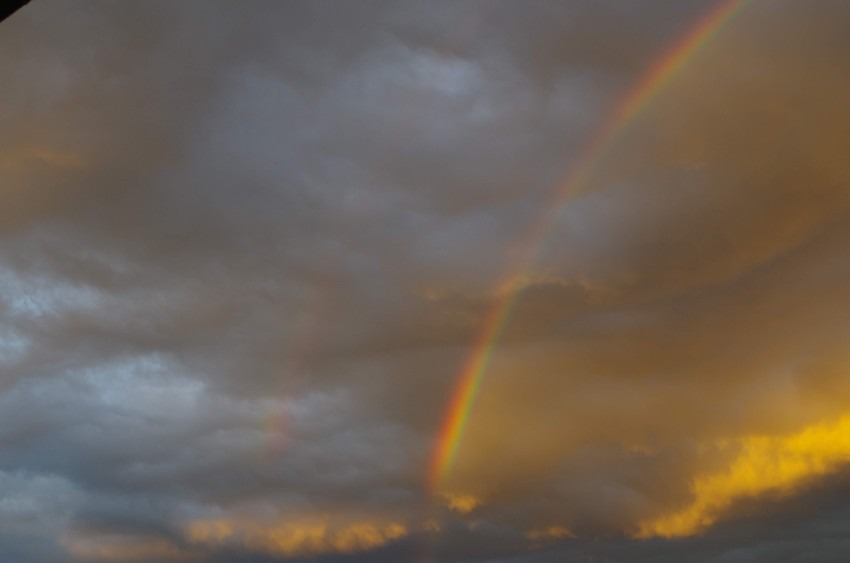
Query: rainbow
630, 107
306, 337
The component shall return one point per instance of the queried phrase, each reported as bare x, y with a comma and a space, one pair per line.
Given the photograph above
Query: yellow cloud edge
459, 502
308, 538
763, 465
118, 548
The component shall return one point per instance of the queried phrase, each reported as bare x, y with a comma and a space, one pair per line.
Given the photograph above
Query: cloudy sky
249, 251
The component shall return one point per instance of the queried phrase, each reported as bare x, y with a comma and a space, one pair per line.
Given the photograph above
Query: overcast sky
246, 249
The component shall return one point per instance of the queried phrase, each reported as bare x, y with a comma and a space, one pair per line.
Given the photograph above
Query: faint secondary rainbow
303, 344
636, 100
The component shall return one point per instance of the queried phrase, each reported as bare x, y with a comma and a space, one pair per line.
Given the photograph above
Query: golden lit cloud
763, 464
306, 538
462, 503
118, 548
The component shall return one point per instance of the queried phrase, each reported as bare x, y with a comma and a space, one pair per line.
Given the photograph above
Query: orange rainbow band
638, 98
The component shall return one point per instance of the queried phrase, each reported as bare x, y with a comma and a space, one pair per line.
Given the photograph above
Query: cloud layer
245, 249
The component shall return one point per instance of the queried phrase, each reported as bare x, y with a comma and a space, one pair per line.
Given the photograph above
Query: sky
391, 281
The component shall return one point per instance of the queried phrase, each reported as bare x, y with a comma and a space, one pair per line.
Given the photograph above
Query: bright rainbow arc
638, 98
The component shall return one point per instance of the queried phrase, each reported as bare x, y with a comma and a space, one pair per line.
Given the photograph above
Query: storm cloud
247, 249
